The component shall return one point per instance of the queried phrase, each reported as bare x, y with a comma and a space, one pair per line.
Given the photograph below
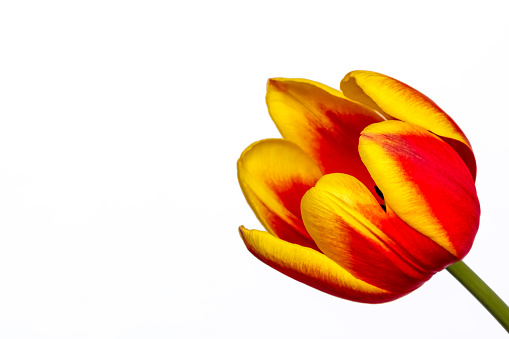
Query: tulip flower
370, 192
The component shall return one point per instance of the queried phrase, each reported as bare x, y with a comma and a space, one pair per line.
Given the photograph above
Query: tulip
369, 193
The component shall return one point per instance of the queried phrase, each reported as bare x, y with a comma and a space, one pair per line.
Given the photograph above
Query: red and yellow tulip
369, 193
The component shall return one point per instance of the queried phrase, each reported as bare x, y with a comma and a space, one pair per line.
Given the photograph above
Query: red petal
424, 181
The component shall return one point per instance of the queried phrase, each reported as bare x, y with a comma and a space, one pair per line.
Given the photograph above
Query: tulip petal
323, 122
274, 174
349, 226
312, 268
394, 98
424, 182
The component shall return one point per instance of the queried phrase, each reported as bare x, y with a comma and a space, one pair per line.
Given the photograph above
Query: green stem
481, 292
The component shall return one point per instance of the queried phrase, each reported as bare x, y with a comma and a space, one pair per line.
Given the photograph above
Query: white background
120, 126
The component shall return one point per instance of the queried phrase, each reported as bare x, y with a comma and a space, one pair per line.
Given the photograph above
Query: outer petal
274, 174
323, 122
349, 226
402, 102
424, 181
312, 268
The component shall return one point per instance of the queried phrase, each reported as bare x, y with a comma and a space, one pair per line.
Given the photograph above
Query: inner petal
323, 123
345, 220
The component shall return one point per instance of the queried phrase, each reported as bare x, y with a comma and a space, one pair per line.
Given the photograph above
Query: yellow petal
274, 174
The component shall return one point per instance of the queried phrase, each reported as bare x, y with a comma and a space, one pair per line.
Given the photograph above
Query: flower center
381, 195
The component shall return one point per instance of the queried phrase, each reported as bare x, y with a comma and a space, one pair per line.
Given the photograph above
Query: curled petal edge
312, 268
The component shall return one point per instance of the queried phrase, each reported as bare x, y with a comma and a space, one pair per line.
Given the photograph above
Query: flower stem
481, 292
